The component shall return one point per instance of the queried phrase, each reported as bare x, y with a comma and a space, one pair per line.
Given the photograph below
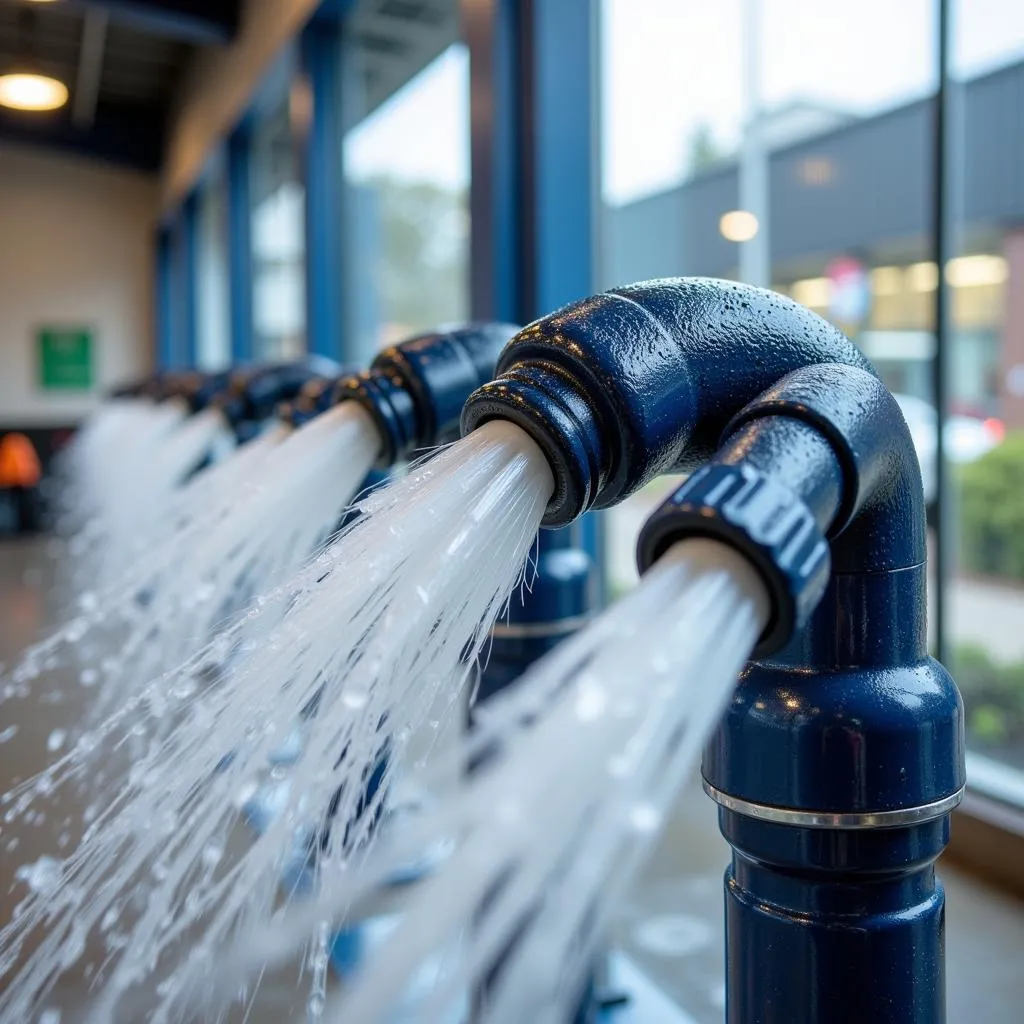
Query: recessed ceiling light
32, 92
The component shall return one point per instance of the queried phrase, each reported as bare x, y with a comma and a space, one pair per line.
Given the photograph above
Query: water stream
210, 546
576, 768
352, 655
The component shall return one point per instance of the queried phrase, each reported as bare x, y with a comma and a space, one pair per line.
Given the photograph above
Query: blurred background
188, 183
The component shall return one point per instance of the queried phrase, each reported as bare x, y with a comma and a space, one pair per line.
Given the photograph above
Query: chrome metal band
826, 819
528, 629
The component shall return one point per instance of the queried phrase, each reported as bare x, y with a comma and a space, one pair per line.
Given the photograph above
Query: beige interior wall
76, 250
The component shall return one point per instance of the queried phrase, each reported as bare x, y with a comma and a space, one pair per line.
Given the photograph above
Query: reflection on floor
670, 925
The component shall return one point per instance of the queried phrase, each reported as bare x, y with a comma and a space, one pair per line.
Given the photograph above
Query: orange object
19, 464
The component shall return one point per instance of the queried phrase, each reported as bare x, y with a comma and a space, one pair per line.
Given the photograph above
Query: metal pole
755, 254
940, 380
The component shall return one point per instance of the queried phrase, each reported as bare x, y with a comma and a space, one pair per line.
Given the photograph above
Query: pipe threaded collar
766, 522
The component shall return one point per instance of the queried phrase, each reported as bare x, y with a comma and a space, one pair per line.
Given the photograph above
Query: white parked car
966, 438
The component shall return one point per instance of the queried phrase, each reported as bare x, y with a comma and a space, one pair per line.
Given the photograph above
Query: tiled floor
670, 924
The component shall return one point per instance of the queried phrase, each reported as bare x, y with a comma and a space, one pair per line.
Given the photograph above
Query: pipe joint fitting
415, 391
765, 521
390, 405
253, 394
622, 387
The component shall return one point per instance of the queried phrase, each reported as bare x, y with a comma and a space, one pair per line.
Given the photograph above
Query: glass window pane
406, 159
984, 429
213, 342
278, 241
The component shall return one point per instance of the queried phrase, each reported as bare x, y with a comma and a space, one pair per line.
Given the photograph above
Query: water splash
256, 529
233, 530
100, 625
367, 639
86, 467
576, 768
142, 482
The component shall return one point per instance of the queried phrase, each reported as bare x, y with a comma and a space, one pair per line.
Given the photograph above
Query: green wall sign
65, 358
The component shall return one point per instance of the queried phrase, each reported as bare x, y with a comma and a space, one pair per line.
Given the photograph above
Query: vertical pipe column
491, 31
188, 277
323, 171
534, 188
240, 275
164, 299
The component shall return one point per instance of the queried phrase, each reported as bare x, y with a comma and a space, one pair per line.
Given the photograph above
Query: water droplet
591, 702
184, 689
55, 740
88, 601
353, 698
75, 630
644, 818
8, 734
88, 677
212, 854
315, 1006
50, 1016
43, 876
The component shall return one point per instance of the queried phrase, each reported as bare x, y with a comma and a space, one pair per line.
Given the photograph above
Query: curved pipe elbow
639, 381
823, 453
879, 525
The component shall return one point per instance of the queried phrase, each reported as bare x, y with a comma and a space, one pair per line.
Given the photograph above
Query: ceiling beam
200, 22
126, 136
90, 68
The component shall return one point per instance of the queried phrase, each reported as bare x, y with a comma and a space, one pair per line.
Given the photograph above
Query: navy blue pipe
840, 756
639, 381
560, 595
252, 394
415, 391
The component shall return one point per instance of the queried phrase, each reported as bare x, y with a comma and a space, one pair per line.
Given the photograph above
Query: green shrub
993, 695
992, 510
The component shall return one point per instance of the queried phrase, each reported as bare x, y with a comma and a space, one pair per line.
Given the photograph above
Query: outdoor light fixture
813, 292
738, 226
32, 92
886, 281
976, 271
922, 277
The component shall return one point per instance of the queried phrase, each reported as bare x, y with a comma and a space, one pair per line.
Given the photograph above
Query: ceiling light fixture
32, 92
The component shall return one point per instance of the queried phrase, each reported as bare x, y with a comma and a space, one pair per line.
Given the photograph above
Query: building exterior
850, 236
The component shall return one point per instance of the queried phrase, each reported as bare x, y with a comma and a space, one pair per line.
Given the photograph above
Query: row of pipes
839, 758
